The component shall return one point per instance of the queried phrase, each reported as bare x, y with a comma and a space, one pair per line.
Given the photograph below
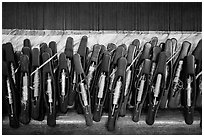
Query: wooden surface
167, 122
138, 16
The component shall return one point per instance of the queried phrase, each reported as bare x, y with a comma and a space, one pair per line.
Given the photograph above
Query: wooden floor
167, 123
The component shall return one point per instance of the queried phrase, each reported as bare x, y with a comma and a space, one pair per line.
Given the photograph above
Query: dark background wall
103, 16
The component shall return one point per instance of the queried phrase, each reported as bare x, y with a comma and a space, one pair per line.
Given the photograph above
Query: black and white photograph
101, 68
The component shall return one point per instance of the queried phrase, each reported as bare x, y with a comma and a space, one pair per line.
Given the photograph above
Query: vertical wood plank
188, 16
109, 15
163, 17
68, 16
131, 18
75, 17
137, 13
153, 16
120, 18
23, 11
125, 16
175, 16
39, 18
58, 17
166, 16
49, 16
84, 14
143, 19
8, 15
134, 13
18, 16
94, 16
30, 13
198, 12
100, 16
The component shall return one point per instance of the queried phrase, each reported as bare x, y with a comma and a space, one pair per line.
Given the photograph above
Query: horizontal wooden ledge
167, 122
